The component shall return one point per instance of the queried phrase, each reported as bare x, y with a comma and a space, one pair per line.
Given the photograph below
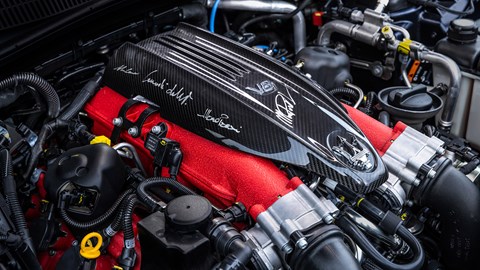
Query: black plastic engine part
325, 251
451, 194
94, 176
171, 249
188, 213
243, 99
328, 67
462, 44
230, 244
412, 106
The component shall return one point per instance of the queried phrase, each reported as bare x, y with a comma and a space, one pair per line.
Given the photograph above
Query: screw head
157, 129
302, 243
117, 121
328, 219
287, 249
133, 131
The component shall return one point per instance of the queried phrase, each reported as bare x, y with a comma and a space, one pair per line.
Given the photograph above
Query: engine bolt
377, 71
431, 174
52, 252
117, 121
302, 243
287, 249
416, 182
157, 129
133, 131
328, 219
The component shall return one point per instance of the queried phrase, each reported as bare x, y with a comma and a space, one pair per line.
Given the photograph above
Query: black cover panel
240, 98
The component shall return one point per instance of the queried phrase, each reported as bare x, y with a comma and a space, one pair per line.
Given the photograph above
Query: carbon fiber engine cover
240, 98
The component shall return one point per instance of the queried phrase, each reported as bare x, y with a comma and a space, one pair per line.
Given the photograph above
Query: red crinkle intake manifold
224, 175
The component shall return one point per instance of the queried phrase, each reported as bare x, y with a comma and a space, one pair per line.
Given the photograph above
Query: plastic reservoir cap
415, 99
410, 105
462, 31
188, 213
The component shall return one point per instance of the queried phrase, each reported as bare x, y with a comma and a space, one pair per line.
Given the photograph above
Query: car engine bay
240, 134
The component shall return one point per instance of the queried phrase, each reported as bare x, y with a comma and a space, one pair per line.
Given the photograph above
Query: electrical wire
213, 15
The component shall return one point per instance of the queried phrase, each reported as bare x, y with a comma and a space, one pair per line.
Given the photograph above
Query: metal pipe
270, 6
123, 145
405, 33
404, 61
359, 91
381, 5
418, 51
347, 29
451, 67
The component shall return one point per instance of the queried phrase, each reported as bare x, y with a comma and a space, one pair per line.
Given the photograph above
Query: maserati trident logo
352, 151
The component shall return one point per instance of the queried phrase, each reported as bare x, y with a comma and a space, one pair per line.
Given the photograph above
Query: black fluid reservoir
328, 67
462, 44
94, 176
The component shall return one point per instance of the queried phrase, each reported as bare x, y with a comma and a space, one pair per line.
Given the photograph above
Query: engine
167, 144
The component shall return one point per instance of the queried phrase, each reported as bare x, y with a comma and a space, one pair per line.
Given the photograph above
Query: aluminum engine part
409, 152
288, 216
265, 254
393, 192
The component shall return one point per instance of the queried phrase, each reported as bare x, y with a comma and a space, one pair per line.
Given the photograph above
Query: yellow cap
86, 247
101, 139
404, 46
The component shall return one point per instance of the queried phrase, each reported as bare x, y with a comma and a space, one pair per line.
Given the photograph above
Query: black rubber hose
142, 190
117, 221
364, 243
344, 91
228, 242
195, 14
37, 149
470, 166
384, 118
25, 256
10, 190
88, 90
39, 84
238, 258
127, 222
88, 225
371, 98
452, 195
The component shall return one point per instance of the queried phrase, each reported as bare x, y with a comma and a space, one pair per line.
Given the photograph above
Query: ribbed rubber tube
344, 91
90, 88
39, 84
127, 221
10, 190
98, 221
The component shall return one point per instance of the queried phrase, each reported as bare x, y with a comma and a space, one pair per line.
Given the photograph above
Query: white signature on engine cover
284, 106
218, 120
172, 90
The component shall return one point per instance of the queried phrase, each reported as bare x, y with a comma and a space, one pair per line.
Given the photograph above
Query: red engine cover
224, 175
